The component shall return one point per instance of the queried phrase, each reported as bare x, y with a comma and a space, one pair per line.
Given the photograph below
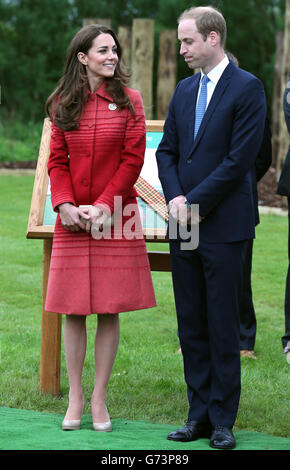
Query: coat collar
102, 92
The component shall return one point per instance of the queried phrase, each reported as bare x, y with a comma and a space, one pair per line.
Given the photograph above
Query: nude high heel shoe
72, 424
105, 427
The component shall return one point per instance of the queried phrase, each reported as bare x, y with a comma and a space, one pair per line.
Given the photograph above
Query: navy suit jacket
216, 170
284, 181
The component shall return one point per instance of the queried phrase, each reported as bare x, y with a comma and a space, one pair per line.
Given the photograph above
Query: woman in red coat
97, 151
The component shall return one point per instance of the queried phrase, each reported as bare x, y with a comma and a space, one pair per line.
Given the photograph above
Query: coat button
85, 182
189, 160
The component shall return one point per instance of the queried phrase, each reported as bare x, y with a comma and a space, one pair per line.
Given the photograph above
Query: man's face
196, 51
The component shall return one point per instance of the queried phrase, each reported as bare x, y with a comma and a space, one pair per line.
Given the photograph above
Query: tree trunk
166, 71
284, 136
142, 61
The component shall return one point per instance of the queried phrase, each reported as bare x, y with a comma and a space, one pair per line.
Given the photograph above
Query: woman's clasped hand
83, 218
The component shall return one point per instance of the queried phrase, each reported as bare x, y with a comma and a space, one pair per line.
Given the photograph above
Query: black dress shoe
222, 438
191, 431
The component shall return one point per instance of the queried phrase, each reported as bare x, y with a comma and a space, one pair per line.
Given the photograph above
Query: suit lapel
220, 88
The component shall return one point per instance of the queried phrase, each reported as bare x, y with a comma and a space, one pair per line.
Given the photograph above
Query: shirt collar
215, 74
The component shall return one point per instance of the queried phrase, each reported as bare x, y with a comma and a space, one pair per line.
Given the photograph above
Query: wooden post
142, 61
102, 21
159, 261
125, 39
284, 136
87, 21
50, 335
166, 71
276, 102
40, 180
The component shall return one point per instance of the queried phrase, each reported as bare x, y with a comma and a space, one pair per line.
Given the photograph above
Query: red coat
106, 153
91, 165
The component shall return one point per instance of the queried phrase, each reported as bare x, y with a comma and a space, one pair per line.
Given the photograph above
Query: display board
42, 217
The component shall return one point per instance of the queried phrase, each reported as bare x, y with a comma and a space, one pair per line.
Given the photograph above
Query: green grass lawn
147, 379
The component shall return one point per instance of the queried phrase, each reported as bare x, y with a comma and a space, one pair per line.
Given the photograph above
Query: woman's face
102, 58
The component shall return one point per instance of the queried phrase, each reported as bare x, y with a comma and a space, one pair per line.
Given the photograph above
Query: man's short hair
207, 19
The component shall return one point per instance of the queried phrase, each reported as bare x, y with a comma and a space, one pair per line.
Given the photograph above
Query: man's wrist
188, 205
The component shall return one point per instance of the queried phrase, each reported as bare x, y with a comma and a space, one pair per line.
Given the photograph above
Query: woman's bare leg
106, 346
75, 343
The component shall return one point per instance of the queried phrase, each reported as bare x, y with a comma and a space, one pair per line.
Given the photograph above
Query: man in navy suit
212, 167
284, 190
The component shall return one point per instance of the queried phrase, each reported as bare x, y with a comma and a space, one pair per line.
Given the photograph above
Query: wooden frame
35, 227
51, 322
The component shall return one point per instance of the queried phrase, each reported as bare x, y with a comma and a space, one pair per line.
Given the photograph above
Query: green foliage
19, 141
252, 36
35, 34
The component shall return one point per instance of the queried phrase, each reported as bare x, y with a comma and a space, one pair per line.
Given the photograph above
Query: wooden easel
51, 322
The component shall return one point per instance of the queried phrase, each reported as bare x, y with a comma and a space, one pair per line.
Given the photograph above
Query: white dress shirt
214, 75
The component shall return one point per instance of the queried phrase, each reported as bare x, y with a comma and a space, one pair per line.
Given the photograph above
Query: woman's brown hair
66, 103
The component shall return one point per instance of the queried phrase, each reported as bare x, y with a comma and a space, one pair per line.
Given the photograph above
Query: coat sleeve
167, 156
286, 104
131, 158
246, 139
264, 158
283, 185
58, 169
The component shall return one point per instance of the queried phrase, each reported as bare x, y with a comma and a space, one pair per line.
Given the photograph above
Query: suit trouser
248, 324
286, 336
207, 286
